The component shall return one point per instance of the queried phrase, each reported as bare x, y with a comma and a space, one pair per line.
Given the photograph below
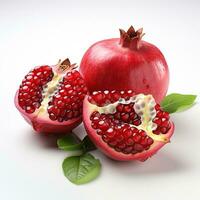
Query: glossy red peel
126, 63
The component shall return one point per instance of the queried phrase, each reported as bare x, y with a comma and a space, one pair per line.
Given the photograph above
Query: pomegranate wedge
126, 126
50, 98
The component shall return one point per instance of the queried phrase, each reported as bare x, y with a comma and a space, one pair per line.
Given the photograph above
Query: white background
40, 32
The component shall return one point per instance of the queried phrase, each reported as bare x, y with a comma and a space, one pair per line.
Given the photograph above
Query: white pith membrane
50, 90
144, 106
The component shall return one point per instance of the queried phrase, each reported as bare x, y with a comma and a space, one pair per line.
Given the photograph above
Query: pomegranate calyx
65, 65
131, 39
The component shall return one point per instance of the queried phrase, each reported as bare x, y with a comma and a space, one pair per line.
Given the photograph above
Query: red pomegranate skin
107, 65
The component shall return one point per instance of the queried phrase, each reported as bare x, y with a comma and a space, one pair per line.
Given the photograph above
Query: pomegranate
50, 98
126, 63
126, 126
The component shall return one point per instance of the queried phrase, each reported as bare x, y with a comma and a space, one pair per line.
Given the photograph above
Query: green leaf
81, 169
177, 102
87, 145
69, 143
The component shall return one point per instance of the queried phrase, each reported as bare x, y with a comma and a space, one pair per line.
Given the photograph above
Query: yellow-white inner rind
49, 90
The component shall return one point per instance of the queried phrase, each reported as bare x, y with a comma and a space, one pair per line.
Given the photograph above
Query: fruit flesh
52, 103
30, 91
67, 103
121, 139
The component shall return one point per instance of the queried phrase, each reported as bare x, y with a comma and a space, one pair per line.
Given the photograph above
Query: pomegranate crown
131, 38
66, 65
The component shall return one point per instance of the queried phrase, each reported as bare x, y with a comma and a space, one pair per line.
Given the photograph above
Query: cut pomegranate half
50, 98
126, 126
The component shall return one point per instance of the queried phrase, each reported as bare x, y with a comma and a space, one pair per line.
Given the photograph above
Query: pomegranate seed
165, 115
68, 107
129, 141
110, 133
149, 141
157, 107
157, 131
137, 122
66, 99
76, 113
137, 138
130, 93
63, 93
99, 132
39, 74
115, 96
120, 107
163, 130
159, 114
36, 80
60, 104
68, 87
162, 121
22, 103
70, 92
69, 114
95, 126
29, 77
28, 101
125, 117
103, 125
143, 142
165, 123
63, 113
127, 108
105, 138
117, 115
36, 104
128, 133
25, 88
120, 138
138, 147
52, 117
30, 109
60, 119
127, 150
121, 146
112, 143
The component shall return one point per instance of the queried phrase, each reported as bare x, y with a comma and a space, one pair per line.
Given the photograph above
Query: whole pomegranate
126, 126
50, 98
126, 63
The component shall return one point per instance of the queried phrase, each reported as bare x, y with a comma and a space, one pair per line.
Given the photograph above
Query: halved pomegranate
126, 126
50, 98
